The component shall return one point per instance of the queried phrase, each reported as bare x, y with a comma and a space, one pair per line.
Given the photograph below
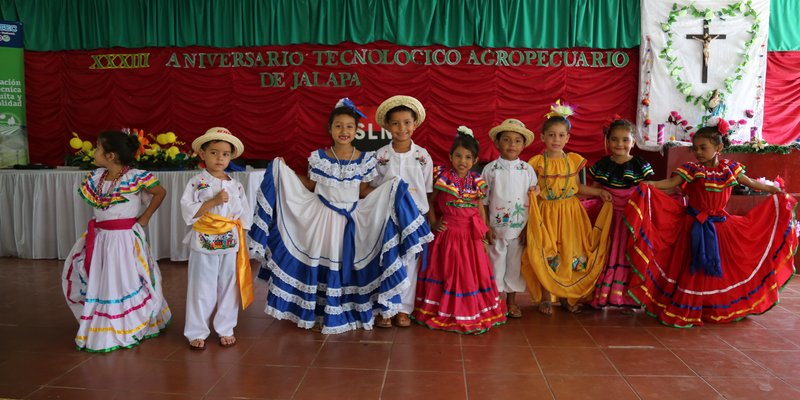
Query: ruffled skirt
566, 253
456, 291
756, 253
314, 273
119, 302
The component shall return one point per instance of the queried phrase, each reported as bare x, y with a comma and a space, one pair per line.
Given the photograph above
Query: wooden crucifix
706, 38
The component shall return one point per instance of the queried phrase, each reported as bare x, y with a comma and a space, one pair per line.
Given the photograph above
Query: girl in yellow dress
565, 253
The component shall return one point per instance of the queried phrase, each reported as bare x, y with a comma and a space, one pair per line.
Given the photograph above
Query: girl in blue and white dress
332, 261
111, 281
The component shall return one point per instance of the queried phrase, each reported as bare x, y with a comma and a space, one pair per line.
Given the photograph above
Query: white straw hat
512, 125
396, 101
219, 133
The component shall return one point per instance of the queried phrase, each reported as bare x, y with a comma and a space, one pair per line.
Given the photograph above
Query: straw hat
512, 125
219, 133
396, 101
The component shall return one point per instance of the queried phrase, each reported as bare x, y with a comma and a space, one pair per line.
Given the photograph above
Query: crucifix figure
706, 38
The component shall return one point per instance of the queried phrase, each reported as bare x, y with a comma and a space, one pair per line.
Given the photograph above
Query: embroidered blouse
95, 191
715, 179
467, 191
620, 176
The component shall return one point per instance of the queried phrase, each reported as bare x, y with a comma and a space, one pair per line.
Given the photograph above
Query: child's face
510, 144
101, 157
343, 129
462, 161
555, 137
217, 156
705, 151
620, 142
401, 124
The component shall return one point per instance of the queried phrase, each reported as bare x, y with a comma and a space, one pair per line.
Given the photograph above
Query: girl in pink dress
619, 174
456, 290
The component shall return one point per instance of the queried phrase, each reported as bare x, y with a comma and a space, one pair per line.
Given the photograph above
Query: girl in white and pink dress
111, 281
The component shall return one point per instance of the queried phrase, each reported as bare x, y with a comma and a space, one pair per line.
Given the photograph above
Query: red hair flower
723, 127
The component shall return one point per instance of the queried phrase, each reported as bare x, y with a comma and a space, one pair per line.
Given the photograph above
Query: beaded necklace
339, 162
104, 197
564, 194
463, 185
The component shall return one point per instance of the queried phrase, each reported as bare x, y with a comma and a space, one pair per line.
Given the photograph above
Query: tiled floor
594, 355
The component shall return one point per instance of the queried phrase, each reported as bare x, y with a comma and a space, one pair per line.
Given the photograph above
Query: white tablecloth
42, 215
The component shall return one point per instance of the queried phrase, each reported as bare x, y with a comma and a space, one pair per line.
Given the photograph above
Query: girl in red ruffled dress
697, 263
456, 290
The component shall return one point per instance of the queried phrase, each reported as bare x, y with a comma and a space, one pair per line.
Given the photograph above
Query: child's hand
490, 236
605, 195
143, 221
439, 226
221, 197
535, 189
775, 189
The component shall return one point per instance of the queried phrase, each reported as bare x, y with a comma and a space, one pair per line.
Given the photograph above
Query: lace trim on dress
323, 169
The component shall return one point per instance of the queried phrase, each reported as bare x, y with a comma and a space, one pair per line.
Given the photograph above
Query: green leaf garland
667, 54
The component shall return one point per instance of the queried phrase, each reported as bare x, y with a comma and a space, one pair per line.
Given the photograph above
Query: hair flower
560, 110
723, 127
347, 103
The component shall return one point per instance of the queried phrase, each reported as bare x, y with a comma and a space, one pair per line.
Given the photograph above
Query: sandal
382, 322
514, 311
227, 341
197, 344
575, 309
402, 320
546, 308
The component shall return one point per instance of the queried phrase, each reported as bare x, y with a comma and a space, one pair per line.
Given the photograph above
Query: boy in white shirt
509, 180
401, 115
216, 207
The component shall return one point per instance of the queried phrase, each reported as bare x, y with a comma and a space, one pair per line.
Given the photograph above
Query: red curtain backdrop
782, 97
65, 95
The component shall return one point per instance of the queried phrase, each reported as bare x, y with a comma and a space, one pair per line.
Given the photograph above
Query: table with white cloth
42, 215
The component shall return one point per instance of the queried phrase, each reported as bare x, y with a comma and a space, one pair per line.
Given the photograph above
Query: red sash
109, 225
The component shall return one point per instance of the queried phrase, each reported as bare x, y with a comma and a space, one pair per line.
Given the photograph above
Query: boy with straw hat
215, 206
509, 180
401, 115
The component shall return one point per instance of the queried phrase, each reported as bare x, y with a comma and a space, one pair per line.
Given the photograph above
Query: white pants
506, 256
212, 282
408, 295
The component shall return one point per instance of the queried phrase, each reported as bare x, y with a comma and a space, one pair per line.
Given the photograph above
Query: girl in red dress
697, 263
456, 290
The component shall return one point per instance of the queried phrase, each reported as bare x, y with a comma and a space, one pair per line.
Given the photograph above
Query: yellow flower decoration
173, 151
76, 143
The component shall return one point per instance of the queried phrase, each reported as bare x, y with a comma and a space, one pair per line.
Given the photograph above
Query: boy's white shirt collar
410, 149
507, 163
208, 175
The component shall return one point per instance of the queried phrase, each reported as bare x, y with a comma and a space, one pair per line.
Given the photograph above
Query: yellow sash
213, 224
